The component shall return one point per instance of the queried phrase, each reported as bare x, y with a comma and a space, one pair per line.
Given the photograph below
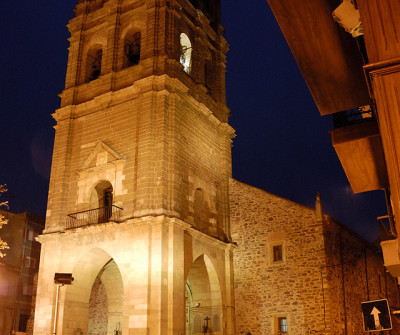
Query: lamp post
60, 279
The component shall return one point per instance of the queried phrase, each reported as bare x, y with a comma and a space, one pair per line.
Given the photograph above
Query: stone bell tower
138, 208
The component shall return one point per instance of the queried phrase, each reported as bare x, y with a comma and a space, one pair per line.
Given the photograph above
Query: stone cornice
140, 221
149, 84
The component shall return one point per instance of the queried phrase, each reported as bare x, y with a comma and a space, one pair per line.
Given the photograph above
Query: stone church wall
266, 290
317, 252
355, 274
98, 309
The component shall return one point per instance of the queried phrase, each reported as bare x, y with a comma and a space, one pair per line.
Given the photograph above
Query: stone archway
105, 303
203, 298
94, 303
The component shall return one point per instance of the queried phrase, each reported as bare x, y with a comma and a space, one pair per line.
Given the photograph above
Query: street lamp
60, 279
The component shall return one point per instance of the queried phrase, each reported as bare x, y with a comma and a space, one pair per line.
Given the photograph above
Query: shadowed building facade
138, 207
18, 269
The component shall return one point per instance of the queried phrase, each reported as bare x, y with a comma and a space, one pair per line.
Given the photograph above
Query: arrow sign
375, 312
376, 315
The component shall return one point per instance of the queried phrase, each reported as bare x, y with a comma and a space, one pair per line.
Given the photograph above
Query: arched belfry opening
203, 299
101, 201
211, 9
185, 53
94, 303
93, 62
132, 44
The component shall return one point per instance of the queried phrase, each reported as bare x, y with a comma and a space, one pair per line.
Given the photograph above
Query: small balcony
358, 144
93, 216
390, 250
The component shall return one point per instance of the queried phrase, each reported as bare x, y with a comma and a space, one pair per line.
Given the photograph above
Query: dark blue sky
282, 143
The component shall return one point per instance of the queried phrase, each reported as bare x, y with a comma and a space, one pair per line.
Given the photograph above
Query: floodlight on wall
60, 279
348, 16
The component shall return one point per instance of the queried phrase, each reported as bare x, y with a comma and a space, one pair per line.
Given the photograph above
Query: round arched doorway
94, 303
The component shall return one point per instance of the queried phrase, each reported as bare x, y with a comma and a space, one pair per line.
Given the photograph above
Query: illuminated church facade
138, 201
143, 212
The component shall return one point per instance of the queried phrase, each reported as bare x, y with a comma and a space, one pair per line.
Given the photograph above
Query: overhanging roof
327, 56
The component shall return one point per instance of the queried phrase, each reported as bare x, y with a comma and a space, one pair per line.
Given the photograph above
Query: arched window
132, 49
185, 53
101, 201
93, 63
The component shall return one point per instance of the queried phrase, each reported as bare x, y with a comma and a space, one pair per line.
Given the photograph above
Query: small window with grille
282, 325
276, 252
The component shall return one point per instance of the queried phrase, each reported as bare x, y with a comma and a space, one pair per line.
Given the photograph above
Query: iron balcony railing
93, 216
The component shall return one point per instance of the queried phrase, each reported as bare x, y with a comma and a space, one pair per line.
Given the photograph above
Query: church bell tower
138, 208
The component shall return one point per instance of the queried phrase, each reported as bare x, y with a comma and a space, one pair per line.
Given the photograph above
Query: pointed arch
106, 300
205, 304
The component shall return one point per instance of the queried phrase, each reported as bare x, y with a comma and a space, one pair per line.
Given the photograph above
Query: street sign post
376, 315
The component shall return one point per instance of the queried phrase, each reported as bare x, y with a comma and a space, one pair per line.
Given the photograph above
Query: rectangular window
23, 321
282, 325
277, 253
30, 262
28, 234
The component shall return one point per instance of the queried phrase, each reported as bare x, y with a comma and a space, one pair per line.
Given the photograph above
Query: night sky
282, 143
